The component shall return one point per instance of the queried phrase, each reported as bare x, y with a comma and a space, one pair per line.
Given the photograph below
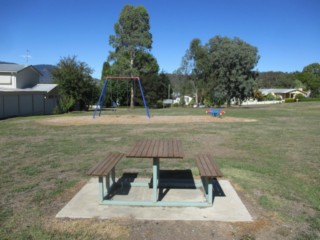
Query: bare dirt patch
85, 120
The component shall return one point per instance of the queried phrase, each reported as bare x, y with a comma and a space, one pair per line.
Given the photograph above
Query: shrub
270, 97
207, 102
258, 95
175, 105
159, 104
289, 100
65, 104
192, 102
310, 100
300, 97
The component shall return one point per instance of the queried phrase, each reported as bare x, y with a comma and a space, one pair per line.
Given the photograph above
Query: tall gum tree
132, 35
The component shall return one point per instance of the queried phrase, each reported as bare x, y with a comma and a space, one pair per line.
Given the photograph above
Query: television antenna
27, 56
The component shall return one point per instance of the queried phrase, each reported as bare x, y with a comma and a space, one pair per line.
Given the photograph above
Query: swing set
104, 89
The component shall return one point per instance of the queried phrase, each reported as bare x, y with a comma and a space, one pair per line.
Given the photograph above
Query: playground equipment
104, 89
216, 112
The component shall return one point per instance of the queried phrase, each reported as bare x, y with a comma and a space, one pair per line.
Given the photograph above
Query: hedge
309, 100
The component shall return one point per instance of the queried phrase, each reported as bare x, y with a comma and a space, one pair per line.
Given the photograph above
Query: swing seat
113, 104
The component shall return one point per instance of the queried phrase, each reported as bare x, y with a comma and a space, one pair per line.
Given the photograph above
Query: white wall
8, 80
27, 78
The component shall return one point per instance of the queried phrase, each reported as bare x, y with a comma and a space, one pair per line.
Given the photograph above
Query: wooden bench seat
104, 167
208, 171
207, 167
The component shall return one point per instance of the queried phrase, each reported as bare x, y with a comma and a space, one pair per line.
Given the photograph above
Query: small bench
207, 167
208, 170
105, 168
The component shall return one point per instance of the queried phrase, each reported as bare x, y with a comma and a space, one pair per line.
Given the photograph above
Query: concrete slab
227, 208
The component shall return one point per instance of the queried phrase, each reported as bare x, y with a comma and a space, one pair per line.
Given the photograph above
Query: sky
286, 32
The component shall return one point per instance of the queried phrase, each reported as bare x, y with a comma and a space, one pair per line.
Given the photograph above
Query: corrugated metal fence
14, 104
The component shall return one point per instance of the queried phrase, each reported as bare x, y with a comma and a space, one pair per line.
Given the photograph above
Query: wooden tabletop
157, 149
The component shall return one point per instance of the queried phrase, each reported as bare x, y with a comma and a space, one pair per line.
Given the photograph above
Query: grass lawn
274, 163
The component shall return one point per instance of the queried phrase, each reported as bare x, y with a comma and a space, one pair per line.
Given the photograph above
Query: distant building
21, 94
283, 93
187, 100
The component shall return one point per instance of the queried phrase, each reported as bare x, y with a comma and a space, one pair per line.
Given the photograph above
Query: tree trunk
131, 97
197, 102
228, 102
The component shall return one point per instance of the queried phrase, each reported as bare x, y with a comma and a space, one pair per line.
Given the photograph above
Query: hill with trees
45, 70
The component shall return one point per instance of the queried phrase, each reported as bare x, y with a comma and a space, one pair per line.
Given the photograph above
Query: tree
106, 70
131, 36
193, 67
223, 68
277, 80
311, 77
76, 86
232, 61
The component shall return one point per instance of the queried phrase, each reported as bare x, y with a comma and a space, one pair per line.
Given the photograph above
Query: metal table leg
155, 182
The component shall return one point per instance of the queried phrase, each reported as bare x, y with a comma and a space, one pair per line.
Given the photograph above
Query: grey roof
15, 68
39, 88
12, 67
44, 87
278, 90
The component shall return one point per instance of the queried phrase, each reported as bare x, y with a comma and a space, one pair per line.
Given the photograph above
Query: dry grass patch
127, 119
100, 229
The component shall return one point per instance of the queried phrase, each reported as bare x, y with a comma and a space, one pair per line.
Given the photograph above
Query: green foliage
222, 68
131, 43
66, 104
310, 100
208, 102
289, 100
106, 71
175, 105
270, 97
131, 36
310, 76
76, 86
277, 80
300, 97
155, 86
258, 95
218, 97
159, 104
192, 102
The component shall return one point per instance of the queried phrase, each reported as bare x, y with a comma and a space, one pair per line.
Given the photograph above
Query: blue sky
286, 32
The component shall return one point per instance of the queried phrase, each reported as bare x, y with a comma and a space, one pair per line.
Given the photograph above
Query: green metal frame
205, 183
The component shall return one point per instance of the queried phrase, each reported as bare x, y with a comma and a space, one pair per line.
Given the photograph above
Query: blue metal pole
144, 100
101, 98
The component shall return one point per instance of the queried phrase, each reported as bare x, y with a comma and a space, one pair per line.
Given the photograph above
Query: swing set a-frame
104, 89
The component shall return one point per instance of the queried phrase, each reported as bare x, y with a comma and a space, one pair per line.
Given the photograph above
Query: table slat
157, 148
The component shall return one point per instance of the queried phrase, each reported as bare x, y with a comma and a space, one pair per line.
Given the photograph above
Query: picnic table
155, 149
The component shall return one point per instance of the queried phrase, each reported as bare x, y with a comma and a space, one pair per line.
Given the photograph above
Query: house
21, 94
283, 93
18, 76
